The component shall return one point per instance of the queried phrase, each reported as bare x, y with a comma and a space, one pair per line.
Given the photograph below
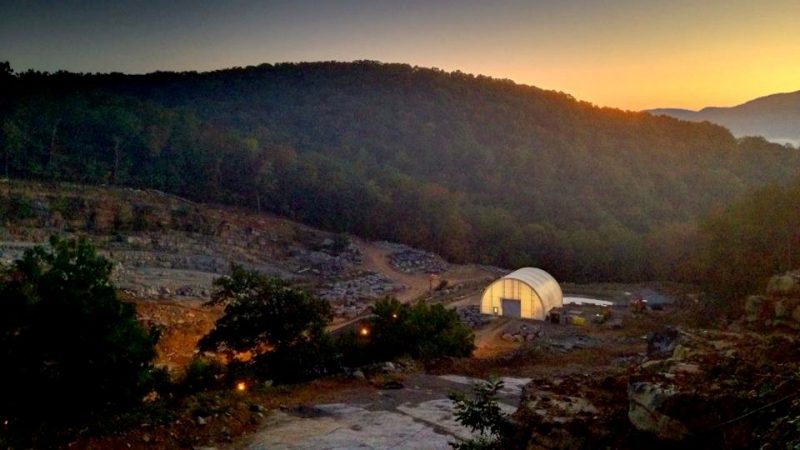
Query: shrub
71, 208
69, 347
123, 218
17, 206
282, 327
202, 374
480, 414
420, 330
340, 243
143, 217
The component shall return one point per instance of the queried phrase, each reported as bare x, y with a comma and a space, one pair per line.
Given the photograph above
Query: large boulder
754, 308
785, 308
646, 410
662, 343
786, 285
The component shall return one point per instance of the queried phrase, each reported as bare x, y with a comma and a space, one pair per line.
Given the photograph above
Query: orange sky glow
630, 54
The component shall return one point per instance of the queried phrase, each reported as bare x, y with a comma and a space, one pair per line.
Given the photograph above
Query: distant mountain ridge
775, 117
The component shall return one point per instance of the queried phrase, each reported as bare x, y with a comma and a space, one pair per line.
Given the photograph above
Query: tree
69, 347
481, 414
11, 141
758, 236
420, 330
283, 327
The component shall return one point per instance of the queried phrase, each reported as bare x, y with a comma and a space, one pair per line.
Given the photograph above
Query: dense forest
475, 168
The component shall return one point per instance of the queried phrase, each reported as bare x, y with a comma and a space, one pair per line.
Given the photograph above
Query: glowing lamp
364, 331
241, 386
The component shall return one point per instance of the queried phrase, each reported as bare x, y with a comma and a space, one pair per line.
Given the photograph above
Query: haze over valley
775, 117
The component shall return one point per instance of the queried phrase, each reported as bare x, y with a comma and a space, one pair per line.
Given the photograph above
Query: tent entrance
511, 308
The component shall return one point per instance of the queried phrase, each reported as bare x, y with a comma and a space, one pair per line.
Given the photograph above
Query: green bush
482, 415
283, 327
69, 347
202, 374
123, 218
16, 206
420, 330
340, 243
302, 361
71, 208
143, 217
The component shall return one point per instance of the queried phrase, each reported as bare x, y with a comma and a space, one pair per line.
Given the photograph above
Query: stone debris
472, 317
410, 260
369, 285
522, 334
646, 401
326, 263
687, 390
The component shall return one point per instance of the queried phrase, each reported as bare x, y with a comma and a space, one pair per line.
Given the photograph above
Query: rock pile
472, 317
10, 251
411, 260
349, 309
163, 260
370, 285
524, 333
712, 389
324, 263
779, 307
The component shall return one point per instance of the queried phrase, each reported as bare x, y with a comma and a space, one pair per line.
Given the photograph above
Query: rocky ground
414, 414
411, 260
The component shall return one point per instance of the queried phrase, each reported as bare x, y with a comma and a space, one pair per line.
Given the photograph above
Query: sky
630, 54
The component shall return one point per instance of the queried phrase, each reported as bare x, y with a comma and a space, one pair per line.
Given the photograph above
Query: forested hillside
474, 168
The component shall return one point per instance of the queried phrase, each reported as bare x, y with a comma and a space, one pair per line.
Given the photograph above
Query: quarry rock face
685, 393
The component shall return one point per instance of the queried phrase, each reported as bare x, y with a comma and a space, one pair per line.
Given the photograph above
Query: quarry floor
418, 416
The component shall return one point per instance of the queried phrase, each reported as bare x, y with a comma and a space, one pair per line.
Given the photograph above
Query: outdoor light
241, 386
364, 331
394, 315
496, 310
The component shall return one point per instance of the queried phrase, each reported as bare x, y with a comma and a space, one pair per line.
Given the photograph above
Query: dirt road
377, 259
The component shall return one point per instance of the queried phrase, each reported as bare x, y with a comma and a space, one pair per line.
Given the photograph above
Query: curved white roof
543, 283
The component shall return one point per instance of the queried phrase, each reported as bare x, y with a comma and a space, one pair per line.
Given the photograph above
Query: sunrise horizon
623, 54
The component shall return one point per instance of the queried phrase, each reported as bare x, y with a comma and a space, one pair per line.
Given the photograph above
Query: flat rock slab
419, 417
512, 387
343, 426
439, 413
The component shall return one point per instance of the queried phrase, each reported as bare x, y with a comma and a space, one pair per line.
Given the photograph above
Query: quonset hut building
527, 293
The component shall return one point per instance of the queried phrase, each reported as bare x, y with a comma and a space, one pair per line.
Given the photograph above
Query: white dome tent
527, 293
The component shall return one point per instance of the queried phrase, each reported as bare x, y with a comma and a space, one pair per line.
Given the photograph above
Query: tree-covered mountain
775, 117
475, 168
